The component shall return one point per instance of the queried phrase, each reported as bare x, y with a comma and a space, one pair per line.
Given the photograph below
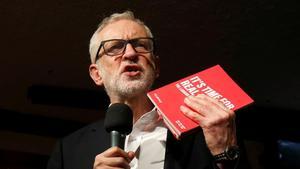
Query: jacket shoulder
79, 149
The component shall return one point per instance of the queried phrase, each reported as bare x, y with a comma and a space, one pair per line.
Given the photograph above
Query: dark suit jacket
78, 150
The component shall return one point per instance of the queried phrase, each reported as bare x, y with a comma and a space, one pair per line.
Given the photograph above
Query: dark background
46, 92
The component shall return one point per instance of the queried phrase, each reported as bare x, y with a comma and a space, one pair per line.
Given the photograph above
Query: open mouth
132, 70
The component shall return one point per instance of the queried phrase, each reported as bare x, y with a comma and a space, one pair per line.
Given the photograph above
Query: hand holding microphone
118, 122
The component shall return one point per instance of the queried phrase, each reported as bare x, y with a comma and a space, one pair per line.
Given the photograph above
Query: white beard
127, 87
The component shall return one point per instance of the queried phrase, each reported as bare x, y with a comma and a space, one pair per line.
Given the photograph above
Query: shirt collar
146, 123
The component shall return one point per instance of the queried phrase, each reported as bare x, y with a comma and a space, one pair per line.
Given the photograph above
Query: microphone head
118, 118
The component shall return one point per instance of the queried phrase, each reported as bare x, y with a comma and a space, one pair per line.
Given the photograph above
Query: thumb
131, 155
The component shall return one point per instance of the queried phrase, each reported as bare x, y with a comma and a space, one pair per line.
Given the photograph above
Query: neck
139, 105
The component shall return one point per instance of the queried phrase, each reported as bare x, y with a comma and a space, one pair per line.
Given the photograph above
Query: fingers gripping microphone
118, 122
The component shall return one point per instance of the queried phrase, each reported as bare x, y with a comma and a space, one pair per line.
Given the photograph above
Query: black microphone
118, 122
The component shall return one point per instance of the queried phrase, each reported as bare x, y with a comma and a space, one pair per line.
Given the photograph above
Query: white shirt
148, 141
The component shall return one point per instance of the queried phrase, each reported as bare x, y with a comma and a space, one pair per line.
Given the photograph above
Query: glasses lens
142, 45
117, 46
114, 47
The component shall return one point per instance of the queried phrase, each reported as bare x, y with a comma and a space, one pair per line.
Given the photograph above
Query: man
123, 61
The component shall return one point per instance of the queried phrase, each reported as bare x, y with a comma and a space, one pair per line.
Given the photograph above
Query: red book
213, 82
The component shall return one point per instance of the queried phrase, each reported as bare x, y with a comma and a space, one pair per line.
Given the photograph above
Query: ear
95, 74
157, 66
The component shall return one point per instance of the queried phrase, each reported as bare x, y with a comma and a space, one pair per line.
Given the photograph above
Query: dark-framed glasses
113, 47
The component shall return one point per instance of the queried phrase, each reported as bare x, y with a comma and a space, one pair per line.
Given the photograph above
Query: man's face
129, 74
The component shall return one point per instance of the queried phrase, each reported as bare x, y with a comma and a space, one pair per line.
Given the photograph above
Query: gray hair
127, 15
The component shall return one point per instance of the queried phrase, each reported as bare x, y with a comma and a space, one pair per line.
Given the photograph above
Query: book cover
213, 82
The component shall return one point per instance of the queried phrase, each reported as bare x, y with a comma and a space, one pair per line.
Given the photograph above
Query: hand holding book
213, 82
216, 121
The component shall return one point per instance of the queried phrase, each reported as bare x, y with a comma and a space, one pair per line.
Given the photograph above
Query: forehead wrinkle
123, 29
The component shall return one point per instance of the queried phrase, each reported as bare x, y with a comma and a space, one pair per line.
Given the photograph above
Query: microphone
118, 122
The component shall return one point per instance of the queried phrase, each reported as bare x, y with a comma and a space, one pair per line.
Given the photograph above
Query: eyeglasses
113, 47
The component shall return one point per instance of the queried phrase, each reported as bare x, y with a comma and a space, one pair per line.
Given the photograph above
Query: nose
130, 52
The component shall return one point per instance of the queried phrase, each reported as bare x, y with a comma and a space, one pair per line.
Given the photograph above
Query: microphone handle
117, 139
